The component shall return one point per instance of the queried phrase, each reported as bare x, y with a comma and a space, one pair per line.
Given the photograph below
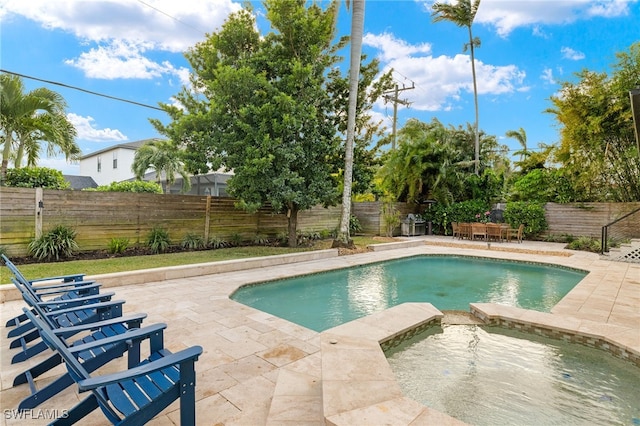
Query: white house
113, 164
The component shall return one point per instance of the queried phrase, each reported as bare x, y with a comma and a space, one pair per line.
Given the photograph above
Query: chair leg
43, 367
29, 352
21, 329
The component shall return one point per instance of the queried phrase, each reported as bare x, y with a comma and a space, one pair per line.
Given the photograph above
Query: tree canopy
597, 149
29, 118
261, 108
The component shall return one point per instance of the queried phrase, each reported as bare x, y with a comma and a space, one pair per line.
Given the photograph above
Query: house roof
80, 182
128, 145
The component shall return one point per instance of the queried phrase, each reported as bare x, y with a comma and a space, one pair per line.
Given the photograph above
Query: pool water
494, 376
324, 300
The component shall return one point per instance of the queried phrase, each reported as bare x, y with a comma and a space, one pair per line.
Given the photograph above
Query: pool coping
9, 292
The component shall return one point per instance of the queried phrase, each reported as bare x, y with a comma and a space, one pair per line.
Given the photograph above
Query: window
115, 160
99, 164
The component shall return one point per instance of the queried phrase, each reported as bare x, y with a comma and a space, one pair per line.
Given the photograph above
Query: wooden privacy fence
587, 219
97, 217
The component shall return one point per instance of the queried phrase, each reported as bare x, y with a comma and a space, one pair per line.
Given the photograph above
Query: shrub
158, 240
118, 245
390, 218
217, 243
129, 186
57, 243
354, 225
465, 211
306, 238
586, 244
193, 242
36, 177
236, 240
260, 240
530, 214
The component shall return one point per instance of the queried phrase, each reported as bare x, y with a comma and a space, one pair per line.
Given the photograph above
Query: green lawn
121, 264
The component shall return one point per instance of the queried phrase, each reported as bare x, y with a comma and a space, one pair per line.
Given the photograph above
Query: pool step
460, 318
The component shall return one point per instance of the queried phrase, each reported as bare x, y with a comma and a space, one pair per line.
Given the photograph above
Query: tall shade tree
462, 14
165, 159
27, 119
260, 108
357, 28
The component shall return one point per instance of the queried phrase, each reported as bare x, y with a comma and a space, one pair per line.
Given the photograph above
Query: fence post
207, 217
39, 209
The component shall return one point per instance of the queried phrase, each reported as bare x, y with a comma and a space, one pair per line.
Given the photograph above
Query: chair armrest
66, 278
89, 289
187, 355
62, 287
133, 334
95, 325
80, 301
83, 307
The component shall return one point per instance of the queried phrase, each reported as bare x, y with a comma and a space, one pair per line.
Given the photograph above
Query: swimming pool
495, 376
324, 300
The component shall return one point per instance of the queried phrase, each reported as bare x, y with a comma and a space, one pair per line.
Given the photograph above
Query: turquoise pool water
325, 300
494, 376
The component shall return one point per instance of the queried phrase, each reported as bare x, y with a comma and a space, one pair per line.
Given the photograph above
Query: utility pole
393, 97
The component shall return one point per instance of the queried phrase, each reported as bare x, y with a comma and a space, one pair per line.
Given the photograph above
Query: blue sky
132, 49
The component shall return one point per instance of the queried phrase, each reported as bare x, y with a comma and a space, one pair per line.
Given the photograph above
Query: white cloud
86, 129
440, 80
609, 8
574, 55
61, 164
506, 16
122, 35
393, 48
168, 24
547, 76
124, 60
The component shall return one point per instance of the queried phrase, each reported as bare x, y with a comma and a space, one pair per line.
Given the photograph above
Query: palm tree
423, 165
357, 29
521, 136
462, 14
161, 156
46, 128
26, 119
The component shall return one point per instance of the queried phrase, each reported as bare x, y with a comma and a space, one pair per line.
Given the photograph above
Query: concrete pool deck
257, 369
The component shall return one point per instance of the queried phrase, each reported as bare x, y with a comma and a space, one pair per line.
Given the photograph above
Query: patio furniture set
84, 329
498, 232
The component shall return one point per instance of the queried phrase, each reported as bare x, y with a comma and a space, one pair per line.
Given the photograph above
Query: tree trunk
6, 153
475, 99
292, 217
357, 28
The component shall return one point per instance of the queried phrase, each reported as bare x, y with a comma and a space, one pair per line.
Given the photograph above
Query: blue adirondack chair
62, 318
64, 287
134, 396
93, 350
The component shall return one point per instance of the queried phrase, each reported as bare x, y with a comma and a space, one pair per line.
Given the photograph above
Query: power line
198, 30
81, 89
